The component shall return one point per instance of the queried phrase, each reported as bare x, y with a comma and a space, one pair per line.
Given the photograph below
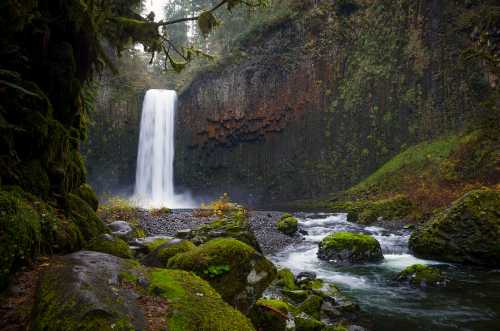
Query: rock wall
315, 101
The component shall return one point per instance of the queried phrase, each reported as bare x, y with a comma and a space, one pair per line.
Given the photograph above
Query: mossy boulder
194, 304
233, 224
95, 291
421, 275
467, 232
271, 314
109, 244
85, 218
303, 322
82, 291
350, 247
160, 255
286, 279
86, 193
236, 270
288, 224
312, 306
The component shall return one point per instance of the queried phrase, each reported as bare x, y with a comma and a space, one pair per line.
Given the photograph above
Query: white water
460, 306
154, 182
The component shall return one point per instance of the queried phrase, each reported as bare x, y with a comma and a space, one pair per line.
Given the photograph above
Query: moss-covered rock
106, 243
233, 224
349, 247
303, 322
86, 193
288, 224
81, 291
236, 270
160, 255
84, 217
194, 305
296, 295
312, 306
286, 279
421, 275
467, 232
271, 314
95, 291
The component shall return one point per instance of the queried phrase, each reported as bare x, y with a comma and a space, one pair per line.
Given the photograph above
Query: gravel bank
262, 223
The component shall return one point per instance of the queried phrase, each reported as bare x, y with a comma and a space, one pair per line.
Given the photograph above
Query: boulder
422, 276
148, 244
467, 232
95, 291
236, 270
109, 244
159, 256
271, 314
288, 224
232, 225
349, 248
121, 229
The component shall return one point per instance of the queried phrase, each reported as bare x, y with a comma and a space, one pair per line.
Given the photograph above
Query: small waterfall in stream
154, 182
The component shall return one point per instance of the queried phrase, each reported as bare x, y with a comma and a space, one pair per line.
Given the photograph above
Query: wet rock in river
349, 248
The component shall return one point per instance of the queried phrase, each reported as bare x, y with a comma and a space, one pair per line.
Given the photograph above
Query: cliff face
314, 102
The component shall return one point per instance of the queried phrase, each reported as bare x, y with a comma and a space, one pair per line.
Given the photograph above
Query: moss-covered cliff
317, 100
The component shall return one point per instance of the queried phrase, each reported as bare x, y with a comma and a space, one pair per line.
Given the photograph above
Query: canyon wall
315, 101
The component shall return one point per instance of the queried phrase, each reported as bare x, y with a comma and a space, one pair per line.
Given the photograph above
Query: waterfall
154, 181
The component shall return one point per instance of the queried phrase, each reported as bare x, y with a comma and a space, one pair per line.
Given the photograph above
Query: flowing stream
470, 301
154, 187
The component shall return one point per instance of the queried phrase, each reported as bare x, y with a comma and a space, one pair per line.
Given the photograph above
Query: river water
469, 301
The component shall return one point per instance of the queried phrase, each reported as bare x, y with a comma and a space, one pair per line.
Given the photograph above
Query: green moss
304, 323
271, 314
194, 305
84, 217
240, 261
349, 247
296, 295
86, 193
234, 224
20, 233
312, 306
286, 279
468, 231
168, 250
155, 244
419, 274
347, 240
114, 246
287, 224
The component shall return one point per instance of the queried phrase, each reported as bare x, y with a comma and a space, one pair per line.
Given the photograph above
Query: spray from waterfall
154, 182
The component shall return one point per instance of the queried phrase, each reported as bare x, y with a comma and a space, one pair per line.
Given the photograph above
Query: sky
156, 6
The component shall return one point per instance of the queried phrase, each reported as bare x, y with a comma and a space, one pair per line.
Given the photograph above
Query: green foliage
216, 270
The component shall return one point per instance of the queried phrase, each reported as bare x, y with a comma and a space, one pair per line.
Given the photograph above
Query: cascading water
154, 183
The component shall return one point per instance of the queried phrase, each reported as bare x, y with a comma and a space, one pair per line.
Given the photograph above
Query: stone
288, 224
121, 229
422, 276
236, 270
467, 232
148, 244
160, 255
349, 248
109, 244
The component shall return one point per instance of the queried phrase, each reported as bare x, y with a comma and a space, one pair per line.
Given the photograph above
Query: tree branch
194, 18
